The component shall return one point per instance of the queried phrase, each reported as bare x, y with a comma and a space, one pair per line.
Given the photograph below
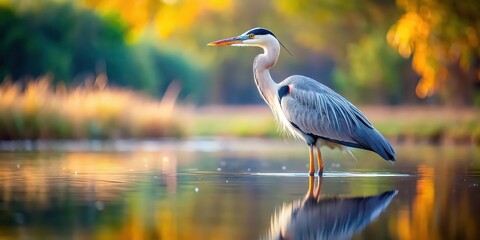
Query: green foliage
352, 35
55, 38
236, 126
75, 44
342, 44
368, 73
403, 124
172, 66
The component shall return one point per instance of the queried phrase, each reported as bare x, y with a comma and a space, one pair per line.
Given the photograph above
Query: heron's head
256, 37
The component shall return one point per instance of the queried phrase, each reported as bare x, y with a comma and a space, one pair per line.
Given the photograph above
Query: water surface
233, 189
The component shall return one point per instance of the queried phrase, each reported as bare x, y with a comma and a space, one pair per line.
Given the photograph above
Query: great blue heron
306, 108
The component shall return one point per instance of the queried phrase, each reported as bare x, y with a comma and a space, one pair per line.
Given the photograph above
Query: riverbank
402, 124
41, 111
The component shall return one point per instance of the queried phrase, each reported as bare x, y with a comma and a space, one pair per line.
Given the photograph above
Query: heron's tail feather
374, 141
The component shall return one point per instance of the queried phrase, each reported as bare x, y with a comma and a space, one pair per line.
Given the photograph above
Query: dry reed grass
39, 110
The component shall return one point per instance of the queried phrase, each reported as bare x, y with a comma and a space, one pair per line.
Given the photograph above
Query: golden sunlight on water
420, 218
440, 210
103, 172
215, 195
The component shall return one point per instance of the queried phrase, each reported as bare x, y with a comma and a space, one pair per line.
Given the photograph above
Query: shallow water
229, 189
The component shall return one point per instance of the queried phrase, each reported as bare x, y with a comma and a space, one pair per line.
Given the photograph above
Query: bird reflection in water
330, 218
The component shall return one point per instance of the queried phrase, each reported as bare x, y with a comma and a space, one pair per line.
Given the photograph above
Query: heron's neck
261, 65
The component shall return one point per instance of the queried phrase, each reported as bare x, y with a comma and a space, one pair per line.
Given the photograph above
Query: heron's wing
340, 218
318, 111
330, 218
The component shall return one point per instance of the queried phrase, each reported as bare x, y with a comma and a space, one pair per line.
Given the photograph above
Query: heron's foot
311, 173
320, 172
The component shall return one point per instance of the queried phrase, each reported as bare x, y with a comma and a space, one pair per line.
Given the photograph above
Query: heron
326, 218
307, 109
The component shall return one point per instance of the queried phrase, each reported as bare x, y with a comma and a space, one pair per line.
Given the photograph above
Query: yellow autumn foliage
424, 34
165, 17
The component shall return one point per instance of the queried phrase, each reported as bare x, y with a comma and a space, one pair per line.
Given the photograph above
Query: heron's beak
226, 42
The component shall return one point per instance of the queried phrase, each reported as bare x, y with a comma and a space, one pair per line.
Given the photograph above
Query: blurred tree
75, 45
148, 43
371, 67
165, 17
187, 26
352, 34
442, 36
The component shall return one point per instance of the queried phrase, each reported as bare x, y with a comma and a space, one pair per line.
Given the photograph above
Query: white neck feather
266, 86
261, 65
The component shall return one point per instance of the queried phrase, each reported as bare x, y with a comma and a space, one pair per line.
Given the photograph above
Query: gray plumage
306, 108
319, 112
332, 218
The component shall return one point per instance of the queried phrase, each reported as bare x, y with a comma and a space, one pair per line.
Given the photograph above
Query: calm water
225, 189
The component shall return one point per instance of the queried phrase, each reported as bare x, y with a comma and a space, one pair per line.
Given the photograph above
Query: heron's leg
312, 164
319, 188
319, 161
311, 184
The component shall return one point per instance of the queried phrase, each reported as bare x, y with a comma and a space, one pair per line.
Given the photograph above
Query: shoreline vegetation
38, 110
400, 124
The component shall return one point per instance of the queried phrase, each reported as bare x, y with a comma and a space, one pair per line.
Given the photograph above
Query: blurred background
116, 69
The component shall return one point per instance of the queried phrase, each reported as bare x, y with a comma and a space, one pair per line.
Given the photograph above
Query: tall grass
39, 110
401, 124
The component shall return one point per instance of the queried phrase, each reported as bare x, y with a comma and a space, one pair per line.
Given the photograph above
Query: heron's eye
251, 36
